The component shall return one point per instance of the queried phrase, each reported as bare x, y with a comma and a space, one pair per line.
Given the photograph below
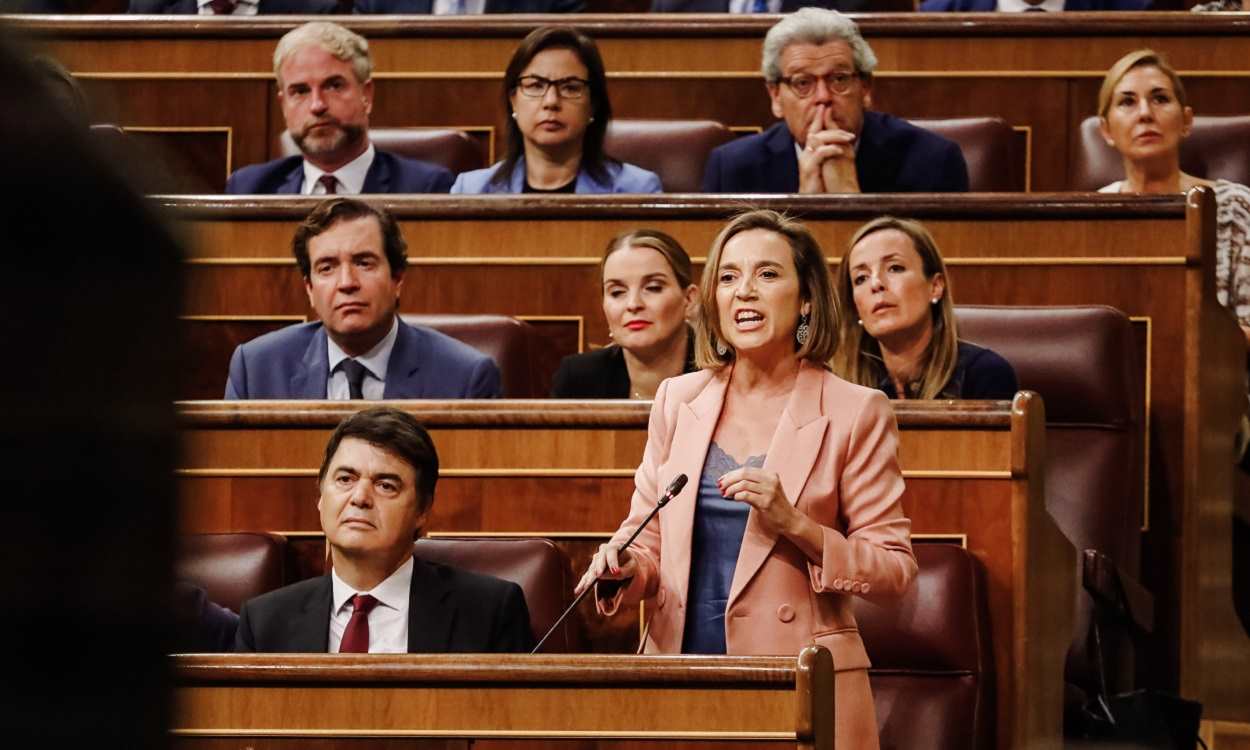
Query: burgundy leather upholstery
510, 342
986, 143
932, 661
1218, 147
232, 568
1085, 364
676, 150
538, 566
453, 149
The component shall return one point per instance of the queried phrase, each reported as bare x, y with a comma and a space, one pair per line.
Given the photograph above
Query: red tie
222, 7
330, 181
356, 636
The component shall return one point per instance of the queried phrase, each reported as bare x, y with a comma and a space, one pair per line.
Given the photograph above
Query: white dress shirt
1019, 6
388, 620
746, 6
376, 362
242, 8
458, 7
351, 176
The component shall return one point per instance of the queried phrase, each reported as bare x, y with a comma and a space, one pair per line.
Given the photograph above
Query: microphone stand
673, 489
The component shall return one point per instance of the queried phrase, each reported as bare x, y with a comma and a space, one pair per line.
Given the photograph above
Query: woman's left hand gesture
761, 489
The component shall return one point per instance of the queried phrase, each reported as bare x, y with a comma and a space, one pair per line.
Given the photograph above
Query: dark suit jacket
387, 174
293, 363
989, 6
449, 611
893, 156
266, 7
492, 6
722, 6
600, 373
980, 373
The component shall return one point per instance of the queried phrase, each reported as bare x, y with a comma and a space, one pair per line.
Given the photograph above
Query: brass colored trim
1145, 517
960, 539
492, 733
227, 129
1162, 260
581, 325
1028, 155
955, 474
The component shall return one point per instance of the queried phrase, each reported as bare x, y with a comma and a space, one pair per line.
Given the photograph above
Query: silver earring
859, 321
934, 301
721, 348
514, 115
802, 333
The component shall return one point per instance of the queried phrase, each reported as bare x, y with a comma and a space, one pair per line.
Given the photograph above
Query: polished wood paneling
564, 470
565, 697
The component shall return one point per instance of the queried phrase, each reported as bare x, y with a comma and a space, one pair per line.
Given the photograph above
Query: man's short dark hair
395, 432
331, 212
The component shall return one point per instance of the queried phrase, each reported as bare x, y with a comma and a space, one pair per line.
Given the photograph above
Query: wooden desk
564, 470
725, 699
1041, 75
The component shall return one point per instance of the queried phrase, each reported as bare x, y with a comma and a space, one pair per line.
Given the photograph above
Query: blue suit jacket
989, 6
265, 7
893, 156
417, 7
387, 174
622, 178
293, 363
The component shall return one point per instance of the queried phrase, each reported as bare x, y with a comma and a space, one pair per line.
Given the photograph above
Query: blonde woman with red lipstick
1143, 114
648, 297
898, 321
793, 508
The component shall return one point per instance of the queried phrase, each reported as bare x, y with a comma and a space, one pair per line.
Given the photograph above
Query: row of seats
933, 662
677, 150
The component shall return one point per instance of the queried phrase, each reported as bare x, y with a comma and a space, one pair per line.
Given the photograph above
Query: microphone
674, 489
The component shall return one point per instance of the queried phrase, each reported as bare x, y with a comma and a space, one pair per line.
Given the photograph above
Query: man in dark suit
468, 7
1018, 6
377, 487
352, 257
755, 6
325, 87
818, 71
235, 7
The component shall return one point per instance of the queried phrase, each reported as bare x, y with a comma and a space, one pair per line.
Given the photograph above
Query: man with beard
325, 86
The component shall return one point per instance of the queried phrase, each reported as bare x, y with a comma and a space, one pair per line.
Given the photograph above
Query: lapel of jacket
876, 166
402, 380
782, 168
293, 180
791, 454
696, 423
430, 611
309, 380
310, 629
378, 178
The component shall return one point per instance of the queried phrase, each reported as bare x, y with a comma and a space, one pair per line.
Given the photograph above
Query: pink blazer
836, 452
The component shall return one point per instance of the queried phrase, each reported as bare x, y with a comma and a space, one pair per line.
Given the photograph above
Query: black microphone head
674, 488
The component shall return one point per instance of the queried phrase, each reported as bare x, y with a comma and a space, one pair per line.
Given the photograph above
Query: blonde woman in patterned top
1143, 115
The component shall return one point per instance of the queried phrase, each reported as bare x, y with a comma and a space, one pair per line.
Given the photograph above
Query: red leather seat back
232, 568
987, 146
446, 147
1217, 148
510, 342
676, 150
538, 566
932, 660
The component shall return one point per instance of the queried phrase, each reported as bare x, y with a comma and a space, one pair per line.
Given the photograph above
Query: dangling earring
721, 348
802, 333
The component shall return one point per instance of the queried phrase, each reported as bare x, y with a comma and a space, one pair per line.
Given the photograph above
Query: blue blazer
989, 6
622, 178
264, 8
417, 7
387, 174
893, 156
293, 363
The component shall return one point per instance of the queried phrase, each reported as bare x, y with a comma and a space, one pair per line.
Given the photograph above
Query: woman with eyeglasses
556, 94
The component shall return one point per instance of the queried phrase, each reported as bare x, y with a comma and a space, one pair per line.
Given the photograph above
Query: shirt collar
202, 3
376, 360
351, 175
393, 592
1019, 6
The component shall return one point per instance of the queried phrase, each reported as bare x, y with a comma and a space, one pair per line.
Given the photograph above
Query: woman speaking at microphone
796, 507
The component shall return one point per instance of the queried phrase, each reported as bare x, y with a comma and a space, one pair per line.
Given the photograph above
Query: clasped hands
827, 162
759, 488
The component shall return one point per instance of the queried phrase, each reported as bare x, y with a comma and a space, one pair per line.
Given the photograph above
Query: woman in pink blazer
793, 504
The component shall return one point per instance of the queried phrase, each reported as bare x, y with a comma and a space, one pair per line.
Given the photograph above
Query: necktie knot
328, 181
356, 634
363, 603
355, 373
222, 7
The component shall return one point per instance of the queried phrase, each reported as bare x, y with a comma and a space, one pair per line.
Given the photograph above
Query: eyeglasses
535, 87
804, 84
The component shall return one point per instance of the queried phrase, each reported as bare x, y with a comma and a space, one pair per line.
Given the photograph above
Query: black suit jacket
419, 7
387, 174
893, 156
722, 6
600, 373
449, 611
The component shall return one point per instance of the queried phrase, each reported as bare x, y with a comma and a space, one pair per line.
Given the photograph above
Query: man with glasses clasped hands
818, 70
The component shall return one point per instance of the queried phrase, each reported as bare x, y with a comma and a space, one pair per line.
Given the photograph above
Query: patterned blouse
1232, 246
